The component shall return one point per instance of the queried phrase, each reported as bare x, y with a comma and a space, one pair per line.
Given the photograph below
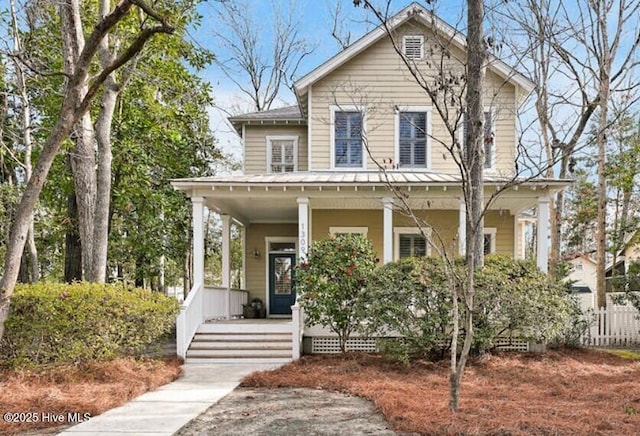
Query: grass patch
561, 392
92, 388
624, 354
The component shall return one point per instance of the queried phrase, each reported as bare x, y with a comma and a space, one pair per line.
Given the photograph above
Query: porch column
542, 236
462, 228
226, 262
197, 205
303, 226
387, 230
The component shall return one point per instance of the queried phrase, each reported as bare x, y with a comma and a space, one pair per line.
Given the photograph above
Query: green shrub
411, 297
332, 282
59, 323
515, 299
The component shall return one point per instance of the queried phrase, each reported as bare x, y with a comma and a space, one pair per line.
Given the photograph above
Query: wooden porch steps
241, 343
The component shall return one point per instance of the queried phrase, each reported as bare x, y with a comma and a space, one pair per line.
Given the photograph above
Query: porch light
256, 253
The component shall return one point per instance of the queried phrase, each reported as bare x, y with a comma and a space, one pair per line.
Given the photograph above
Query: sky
316, 24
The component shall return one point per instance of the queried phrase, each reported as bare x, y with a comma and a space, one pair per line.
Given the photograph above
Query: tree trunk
473, 184
72, 246
604, 63
103, 137
32, 252
83, 156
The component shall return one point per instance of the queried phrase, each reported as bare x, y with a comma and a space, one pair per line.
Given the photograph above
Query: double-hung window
489, 138
413, 137
282, 154
347, 138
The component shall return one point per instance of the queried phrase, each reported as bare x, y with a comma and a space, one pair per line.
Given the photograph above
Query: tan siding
503, 222
443, 224
255, 151
322, 220
257, 266
378, 80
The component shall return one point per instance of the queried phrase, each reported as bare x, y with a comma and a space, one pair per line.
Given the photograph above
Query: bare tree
27, 136
75, 104
257, 66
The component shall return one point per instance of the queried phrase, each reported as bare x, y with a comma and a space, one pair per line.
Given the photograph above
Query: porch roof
360, 178
272, 197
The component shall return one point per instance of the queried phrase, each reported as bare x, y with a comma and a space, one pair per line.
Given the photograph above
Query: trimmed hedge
52, 323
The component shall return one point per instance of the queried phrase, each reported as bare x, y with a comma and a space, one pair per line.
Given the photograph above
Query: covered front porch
278, 215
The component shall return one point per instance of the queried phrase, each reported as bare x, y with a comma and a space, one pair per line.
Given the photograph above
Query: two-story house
314, 168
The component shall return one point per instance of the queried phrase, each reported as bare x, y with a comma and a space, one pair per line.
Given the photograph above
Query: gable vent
412, 46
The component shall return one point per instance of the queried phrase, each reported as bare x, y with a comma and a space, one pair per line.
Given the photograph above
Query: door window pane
282, 271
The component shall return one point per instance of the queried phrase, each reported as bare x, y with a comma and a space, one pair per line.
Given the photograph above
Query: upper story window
489, 240
409, 242
348, 124
282, 154
413, 47
413, 127
489, 139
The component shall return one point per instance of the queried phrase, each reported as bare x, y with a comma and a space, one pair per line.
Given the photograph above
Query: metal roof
399, 177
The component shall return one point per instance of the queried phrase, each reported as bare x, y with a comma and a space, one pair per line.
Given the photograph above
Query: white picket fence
614, 326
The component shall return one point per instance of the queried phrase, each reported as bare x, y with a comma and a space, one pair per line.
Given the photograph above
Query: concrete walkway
167, 409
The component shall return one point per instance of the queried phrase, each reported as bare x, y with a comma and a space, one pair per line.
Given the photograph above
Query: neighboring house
583, 275
310, 170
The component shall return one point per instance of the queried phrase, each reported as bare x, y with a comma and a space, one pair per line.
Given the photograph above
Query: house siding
378, 80
255, 146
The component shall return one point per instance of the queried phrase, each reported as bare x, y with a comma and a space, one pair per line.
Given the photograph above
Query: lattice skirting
331, 345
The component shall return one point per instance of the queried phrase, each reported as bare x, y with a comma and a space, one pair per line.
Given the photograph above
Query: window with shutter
412, 139
490, 240
413, 47
489, 138
282, 154
348, 138
410, 242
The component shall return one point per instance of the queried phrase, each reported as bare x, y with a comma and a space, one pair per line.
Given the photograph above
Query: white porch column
462, 228
387, 230
542, 236
303, 226
197, 205
226, 262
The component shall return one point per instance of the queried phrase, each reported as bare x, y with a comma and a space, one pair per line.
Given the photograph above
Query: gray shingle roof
283, 113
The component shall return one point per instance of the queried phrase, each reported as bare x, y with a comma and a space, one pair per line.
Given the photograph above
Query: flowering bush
333, 280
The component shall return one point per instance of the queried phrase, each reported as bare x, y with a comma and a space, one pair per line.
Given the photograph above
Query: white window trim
396, 136
404, 46
492, 113
293, 138
397, 231
354, 230
332, 135
491, 231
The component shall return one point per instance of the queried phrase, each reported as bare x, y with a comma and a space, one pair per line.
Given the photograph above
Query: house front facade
364, 142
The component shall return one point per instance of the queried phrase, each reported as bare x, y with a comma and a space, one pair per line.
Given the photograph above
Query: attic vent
412, 46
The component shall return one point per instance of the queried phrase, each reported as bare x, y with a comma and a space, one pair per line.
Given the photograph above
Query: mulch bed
560, 392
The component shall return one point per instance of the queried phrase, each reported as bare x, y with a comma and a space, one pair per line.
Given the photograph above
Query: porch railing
190, 317
215, 302
204, 303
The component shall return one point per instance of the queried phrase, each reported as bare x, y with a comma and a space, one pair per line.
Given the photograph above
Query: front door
282, 294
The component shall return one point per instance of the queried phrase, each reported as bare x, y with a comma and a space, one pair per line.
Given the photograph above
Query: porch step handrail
190, 317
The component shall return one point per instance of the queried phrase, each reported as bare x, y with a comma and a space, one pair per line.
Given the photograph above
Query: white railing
614, 326
190, 317
215, 302
297, 331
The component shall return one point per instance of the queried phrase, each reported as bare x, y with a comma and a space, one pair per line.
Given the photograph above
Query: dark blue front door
282, 294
